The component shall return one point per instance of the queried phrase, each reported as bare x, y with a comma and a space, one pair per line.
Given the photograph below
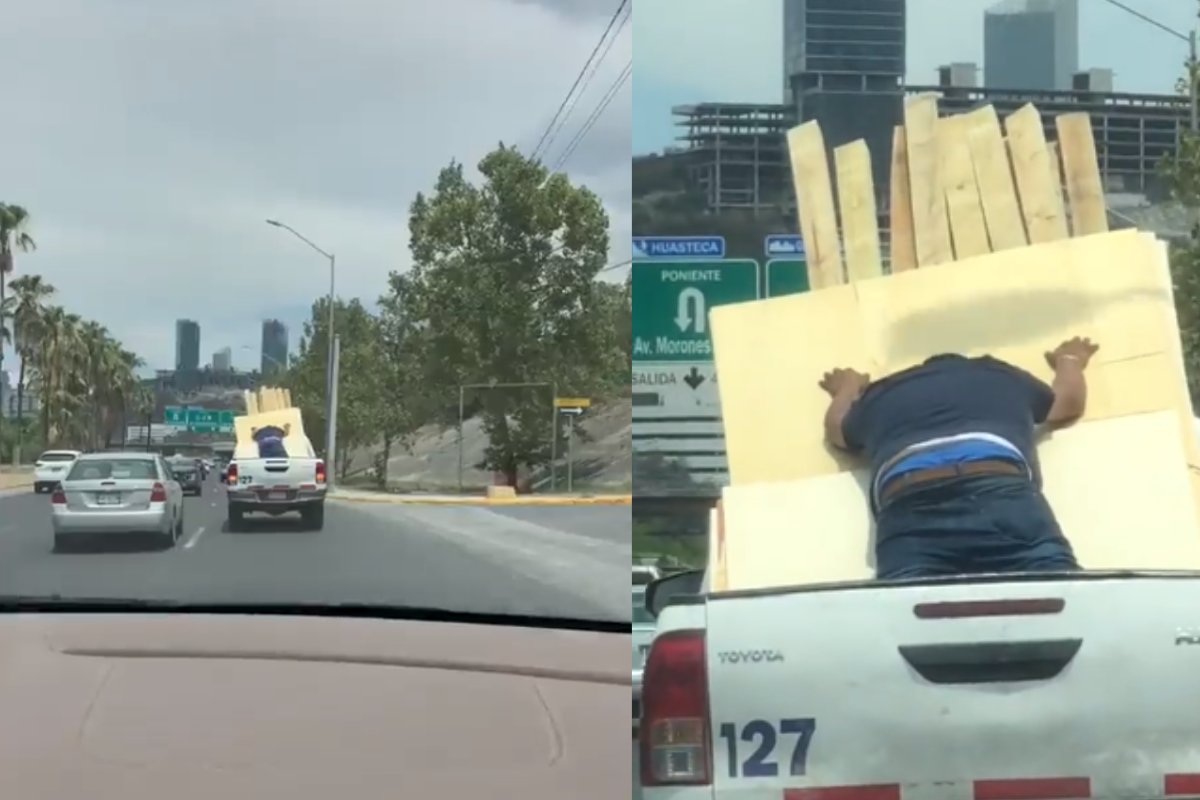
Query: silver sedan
117, 493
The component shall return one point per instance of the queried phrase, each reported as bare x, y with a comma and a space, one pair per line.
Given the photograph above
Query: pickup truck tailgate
281, 472
1042, 689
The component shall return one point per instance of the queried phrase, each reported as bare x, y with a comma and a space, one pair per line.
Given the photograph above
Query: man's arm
836, 418
1070, 392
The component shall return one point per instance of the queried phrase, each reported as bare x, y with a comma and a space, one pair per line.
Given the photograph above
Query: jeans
972, 525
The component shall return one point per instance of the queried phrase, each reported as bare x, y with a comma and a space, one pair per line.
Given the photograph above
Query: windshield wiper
66, 604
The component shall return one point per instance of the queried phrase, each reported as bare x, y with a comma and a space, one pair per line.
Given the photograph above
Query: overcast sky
719, 50
150, 139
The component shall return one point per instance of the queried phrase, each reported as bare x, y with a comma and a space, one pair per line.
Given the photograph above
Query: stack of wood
961, 186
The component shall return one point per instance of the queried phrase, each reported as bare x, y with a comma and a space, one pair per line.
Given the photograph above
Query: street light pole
329, 348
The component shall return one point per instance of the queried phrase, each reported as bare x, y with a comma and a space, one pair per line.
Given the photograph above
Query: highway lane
409, 556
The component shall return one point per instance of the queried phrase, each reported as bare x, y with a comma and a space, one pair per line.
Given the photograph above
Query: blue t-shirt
948, 395
270, 442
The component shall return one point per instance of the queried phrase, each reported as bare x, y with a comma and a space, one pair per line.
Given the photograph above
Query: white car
117, 494
50, 468
643, 635
644, 574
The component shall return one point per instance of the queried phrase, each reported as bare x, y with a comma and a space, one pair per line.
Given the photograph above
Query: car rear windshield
57, 457
113, 469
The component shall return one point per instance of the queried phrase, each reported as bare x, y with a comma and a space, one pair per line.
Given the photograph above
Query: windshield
185, 248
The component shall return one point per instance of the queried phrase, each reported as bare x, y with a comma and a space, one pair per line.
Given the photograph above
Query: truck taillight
158, 494
674, 735
320, 472
231, 474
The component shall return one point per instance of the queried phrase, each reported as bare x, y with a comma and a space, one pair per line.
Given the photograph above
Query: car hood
301, 707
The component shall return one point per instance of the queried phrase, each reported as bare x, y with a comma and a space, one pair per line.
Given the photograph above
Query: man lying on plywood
955, 481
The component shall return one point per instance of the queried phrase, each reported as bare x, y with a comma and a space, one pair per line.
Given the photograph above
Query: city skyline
272, 348
685, 64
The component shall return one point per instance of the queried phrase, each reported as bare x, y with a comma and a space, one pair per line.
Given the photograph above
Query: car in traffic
117, 494
50, 468
187, 472
643, 635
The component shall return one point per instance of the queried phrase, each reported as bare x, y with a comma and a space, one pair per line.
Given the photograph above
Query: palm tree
14, 236
30, 293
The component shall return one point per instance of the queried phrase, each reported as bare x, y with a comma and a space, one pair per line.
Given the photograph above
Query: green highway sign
198, 420
786, 276
672, 300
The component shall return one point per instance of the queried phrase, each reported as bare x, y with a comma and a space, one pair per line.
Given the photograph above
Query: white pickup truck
982, 688
276, 486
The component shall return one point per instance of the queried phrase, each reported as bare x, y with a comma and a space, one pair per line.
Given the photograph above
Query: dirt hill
602, 456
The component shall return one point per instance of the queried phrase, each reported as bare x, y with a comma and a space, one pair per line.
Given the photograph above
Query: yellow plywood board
1119, 487
1016, 305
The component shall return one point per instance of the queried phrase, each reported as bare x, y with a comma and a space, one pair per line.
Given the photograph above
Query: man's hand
842, 381
1078, 350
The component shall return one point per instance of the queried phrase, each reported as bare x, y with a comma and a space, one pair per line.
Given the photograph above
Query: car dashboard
201, 706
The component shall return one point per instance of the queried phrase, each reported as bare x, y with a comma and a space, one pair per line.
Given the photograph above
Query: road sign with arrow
670, 315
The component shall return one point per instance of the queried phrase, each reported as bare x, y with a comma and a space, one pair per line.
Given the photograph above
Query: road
550, 561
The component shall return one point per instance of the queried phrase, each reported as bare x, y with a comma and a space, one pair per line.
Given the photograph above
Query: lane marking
190, 542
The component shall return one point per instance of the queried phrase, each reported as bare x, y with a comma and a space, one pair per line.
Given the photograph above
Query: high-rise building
223, 360
274, 347
187, 345
844, 63
1031, 45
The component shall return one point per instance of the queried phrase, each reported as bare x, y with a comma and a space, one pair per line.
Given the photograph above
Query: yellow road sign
572, 402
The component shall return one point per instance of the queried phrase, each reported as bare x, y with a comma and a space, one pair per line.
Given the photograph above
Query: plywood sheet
1015, 305
1119, 488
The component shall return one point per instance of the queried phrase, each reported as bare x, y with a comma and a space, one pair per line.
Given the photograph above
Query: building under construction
737, 153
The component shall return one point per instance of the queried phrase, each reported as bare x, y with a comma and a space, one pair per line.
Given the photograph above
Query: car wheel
179, 525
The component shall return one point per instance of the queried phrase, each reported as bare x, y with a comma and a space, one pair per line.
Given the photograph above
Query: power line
597, 112
588, 80
537, 151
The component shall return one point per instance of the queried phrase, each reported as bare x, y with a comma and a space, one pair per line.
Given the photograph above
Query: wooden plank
968, 230
931, 229
860, 218
1056, 177
994, 177
900, 224
814, 199
1077, 148
1045, 217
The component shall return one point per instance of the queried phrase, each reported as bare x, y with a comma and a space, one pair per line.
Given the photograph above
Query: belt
990, 466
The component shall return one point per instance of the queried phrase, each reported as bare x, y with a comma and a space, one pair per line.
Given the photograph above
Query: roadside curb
441, 500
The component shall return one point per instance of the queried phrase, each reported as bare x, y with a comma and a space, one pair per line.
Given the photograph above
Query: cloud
150, 139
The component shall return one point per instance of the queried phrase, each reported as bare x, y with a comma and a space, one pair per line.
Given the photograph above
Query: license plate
108, 499
277, 496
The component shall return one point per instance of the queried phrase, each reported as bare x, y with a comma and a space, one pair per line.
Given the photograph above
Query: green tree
504, 290
14, 238
360, 383
1183, 175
